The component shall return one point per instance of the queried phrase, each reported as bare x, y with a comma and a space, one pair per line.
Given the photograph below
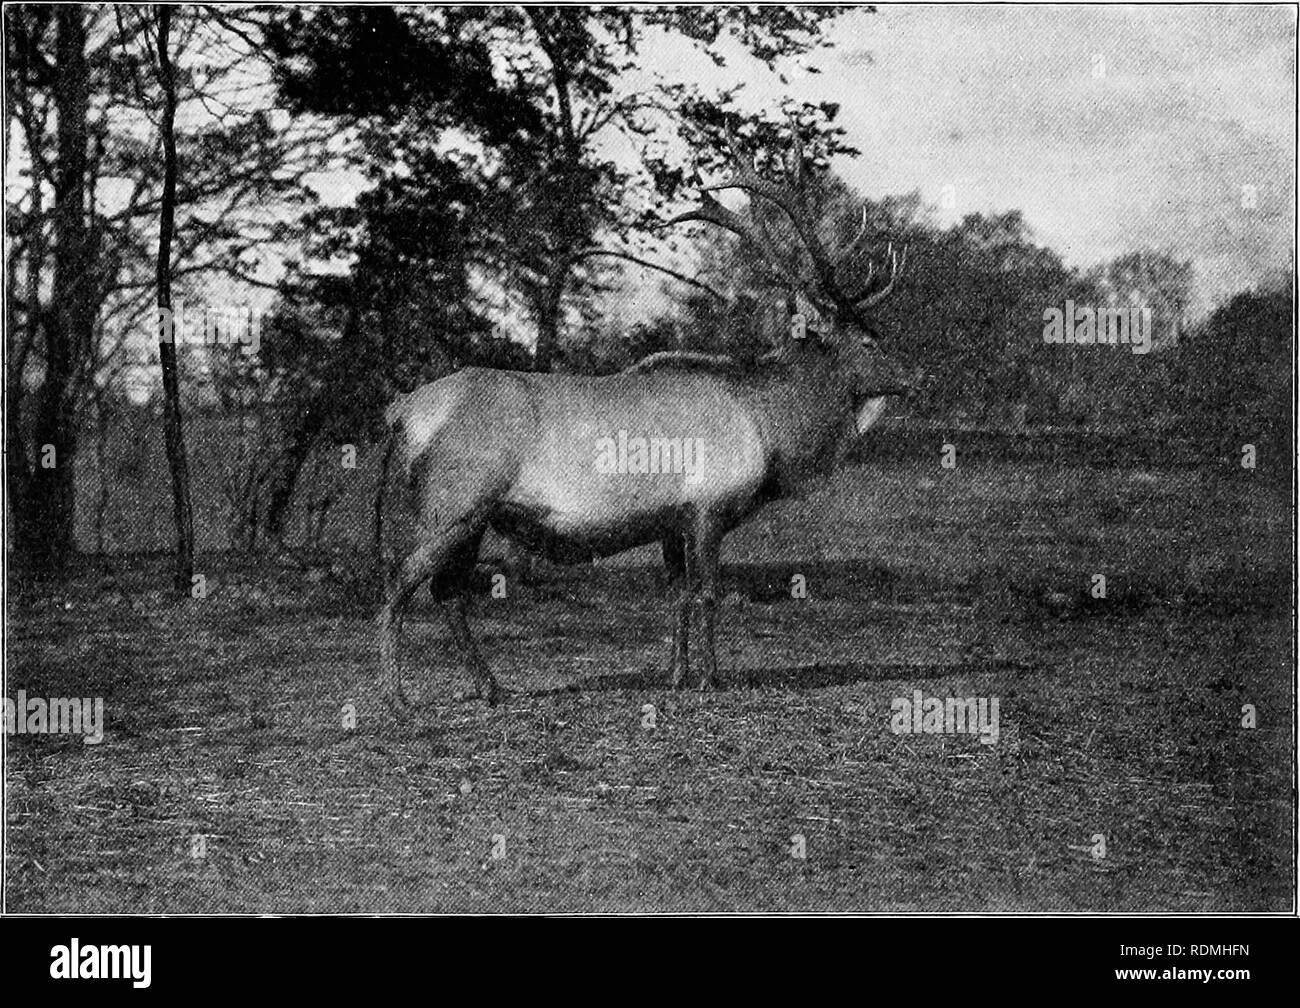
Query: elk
518, 451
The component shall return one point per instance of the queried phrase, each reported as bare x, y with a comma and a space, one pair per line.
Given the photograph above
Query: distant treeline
496, 227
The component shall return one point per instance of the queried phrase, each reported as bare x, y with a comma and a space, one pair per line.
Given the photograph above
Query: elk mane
687, 360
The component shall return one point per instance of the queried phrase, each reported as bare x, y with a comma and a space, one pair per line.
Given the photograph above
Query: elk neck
803, 402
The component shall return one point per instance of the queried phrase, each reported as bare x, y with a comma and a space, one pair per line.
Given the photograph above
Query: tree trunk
17, 470
46, 508
17, 466
173, 431
550, 308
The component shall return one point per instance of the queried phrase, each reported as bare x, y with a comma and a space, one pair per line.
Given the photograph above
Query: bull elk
519, 452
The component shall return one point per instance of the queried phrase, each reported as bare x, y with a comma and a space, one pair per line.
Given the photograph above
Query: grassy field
1119, 716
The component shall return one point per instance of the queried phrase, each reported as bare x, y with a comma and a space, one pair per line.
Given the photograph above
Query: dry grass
1119, 716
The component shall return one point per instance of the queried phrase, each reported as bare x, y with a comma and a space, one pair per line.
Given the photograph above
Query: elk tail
395, 410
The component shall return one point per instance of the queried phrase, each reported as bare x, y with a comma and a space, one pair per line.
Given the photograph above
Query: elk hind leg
419, 565
679, 587
442, 557
705, 545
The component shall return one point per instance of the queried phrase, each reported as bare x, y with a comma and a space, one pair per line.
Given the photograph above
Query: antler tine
896, 264
710, 211
871, 272
852, 246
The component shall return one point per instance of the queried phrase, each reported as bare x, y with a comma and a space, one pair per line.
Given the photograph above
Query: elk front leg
706, 545
679, 663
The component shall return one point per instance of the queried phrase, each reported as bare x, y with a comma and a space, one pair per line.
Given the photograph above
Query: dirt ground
227, 780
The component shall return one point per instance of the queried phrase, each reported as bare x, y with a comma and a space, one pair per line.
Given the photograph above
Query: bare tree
173, 432
60, 329
84, 195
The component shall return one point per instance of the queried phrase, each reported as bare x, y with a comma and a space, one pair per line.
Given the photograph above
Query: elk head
862, 371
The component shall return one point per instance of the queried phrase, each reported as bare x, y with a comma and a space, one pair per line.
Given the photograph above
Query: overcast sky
1112, 128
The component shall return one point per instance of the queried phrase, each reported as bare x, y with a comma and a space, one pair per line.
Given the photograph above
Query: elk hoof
495, 693
708, 684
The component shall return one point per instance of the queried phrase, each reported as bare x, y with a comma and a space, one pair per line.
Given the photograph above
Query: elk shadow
797, 677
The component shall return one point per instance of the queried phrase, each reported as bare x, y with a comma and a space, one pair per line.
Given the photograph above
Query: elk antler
790, 199
711, 211
852, 246
864, 296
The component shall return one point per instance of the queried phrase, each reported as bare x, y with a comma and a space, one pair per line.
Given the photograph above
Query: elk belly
568, 529
869, 413
570, 512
